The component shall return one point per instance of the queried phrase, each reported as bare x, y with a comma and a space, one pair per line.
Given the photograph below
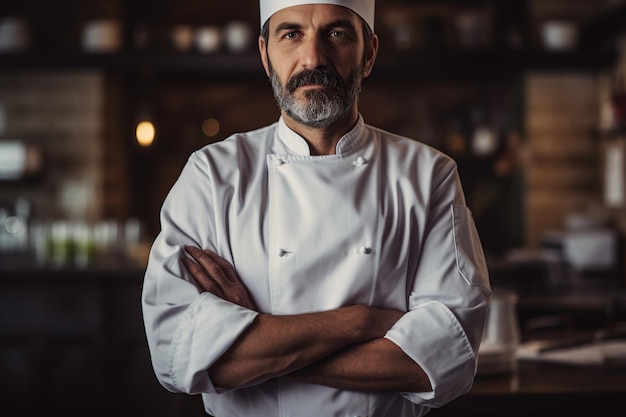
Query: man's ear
263, 52
370, 56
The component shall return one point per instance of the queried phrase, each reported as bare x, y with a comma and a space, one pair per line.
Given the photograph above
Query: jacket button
364, 250
360, 161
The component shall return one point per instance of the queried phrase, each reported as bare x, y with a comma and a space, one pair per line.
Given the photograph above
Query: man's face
315, 59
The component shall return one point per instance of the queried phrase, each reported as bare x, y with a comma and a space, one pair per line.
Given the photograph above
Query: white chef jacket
383, 222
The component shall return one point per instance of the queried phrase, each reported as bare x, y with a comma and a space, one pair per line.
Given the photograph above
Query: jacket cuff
208, 328
433, 337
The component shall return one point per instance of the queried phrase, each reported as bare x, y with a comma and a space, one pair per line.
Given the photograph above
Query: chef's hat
364, 8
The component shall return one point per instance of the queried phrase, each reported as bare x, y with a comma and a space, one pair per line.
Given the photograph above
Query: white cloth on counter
382, 222
609, 352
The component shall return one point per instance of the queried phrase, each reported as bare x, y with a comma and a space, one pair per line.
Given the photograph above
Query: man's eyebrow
287, 26
341, 23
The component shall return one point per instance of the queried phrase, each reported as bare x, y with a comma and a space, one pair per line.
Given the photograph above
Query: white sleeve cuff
433, 337
206, 331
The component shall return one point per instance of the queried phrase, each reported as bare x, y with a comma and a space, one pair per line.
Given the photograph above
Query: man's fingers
201, 277
227, 268
217, 276
212, 265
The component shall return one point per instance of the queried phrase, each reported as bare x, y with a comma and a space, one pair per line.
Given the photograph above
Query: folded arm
376, 365
343, 348
278, 345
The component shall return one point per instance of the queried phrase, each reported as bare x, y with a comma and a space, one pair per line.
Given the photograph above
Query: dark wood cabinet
72, 343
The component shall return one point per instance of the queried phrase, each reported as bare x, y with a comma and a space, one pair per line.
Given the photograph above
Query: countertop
540, 389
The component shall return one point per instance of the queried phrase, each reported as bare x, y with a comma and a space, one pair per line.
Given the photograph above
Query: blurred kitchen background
101, 104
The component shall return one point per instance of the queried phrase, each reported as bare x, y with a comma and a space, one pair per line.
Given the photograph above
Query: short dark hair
367, 35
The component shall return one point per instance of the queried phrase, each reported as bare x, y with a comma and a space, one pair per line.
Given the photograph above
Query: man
340, 270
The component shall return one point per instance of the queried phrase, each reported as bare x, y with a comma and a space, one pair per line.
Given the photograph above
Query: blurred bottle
14, 220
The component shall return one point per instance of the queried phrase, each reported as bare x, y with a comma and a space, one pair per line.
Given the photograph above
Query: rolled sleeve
207, 329
433, 337
187, 331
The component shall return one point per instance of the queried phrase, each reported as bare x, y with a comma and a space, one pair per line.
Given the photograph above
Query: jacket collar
298, 145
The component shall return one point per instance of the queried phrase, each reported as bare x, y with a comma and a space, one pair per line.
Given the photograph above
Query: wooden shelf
137, 63
485, 64
415, 65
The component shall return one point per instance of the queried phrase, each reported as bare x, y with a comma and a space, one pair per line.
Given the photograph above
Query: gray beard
319, 109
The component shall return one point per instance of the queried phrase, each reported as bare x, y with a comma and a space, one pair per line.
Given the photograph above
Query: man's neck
323, 141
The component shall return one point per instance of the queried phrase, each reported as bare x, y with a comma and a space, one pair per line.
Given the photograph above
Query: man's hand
213, 274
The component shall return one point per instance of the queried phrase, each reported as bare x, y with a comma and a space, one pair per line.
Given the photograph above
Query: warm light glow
210, 127
145, 133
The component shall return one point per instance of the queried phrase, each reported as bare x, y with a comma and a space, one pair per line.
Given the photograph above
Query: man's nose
313, 54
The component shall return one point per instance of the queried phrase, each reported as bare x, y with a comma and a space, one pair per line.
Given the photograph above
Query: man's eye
291, 35
337, 34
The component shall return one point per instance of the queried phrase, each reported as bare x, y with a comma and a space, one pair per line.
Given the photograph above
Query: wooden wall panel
563, 162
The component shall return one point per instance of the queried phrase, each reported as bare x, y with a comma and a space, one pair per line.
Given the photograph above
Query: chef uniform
382, 222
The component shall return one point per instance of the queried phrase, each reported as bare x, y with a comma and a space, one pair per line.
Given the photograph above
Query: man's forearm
277, 345
274, 346
376, 365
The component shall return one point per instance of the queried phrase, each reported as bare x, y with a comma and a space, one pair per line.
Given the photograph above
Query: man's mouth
313, 79
313, 86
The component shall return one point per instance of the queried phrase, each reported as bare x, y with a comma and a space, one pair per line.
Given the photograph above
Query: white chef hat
364, 8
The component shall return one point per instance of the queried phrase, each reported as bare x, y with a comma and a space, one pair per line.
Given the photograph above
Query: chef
318, 266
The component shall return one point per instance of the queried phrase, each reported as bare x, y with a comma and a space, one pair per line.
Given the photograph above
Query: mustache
318, 76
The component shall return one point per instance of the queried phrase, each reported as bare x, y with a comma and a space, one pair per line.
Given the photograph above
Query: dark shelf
19, 268
416, 65
138, 63
485, 63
